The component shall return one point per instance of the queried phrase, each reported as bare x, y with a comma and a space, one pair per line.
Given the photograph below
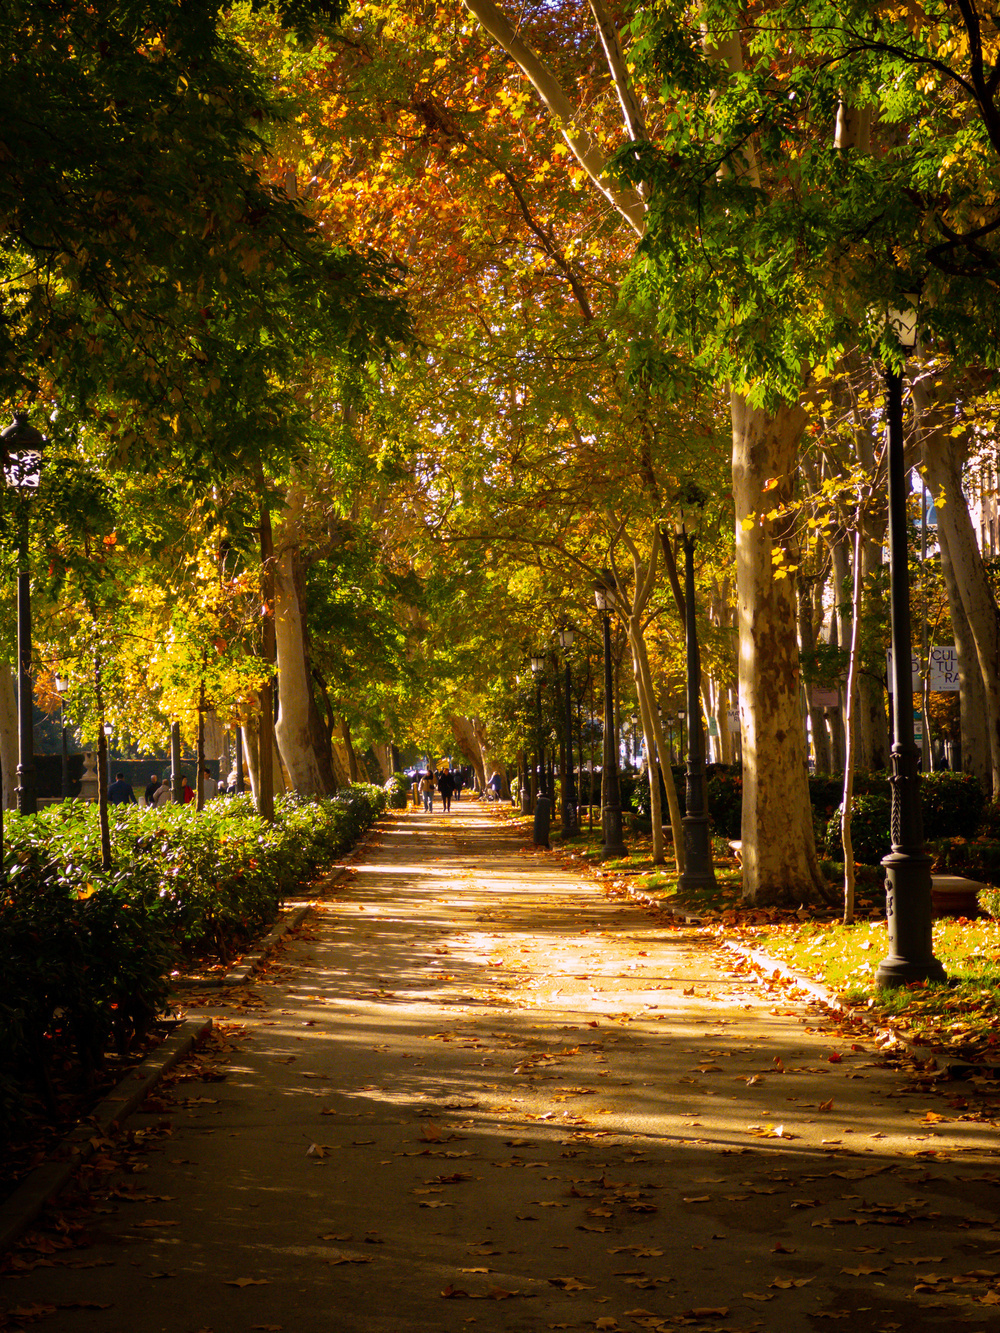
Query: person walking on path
446, 786
152, 789
164, 796
427, 792
120, 792
187, 791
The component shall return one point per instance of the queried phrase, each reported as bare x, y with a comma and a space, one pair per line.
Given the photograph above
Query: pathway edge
48, 1180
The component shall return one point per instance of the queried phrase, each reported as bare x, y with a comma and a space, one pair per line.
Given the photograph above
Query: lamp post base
908, 917
613, 847
699, 872
541, 823
894, 970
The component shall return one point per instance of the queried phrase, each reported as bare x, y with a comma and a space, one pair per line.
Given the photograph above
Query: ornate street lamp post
605, 595
907, 867
570, 821
699, 871
22, 447
542, 808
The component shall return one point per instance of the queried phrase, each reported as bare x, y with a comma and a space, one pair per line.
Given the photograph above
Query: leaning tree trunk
264, 789
778, 848
300, 733
467, 738
873, 720
971, 692
944, 454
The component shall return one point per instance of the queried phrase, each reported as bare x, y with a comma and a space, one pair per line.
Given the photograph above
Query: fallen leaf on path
249, 1282
700, 1198
317, 1150
835, 1058
825, 1106
863, 1270
451, 1293
785, 1282
607, 1323
756, 1296
569, 1284
707, 1312
778, 1248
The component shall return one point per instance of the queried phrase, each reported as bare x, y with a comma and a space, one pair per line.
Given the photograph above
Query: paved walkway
476, 1093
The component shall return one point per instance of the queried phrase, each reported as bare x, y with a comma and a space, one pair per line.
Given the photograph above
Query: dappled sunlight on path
475, 1091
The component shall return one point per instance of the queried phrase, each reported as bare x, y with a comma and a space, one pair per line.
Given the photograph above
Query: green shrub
397, 790
87, 953
725, 801
952, 804
871, 819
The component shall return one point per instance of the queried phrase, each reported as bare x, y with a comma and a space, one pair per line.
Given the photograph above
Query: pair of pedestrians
445, 784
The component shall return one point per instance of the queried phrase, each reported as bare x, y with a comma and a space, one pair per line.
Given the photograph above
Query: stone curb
821, 994
49, 1179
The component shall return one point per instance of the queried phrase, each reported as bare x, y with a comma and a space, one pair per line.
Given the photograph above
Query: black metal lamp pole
22, 460
604, 595
27, 798
907, 867
542, 807
570, 822
699, 871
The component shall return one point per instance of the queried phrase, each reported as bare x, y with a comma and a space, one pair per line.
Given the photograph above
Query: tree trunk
349, 750
944, 454
653, 737
470, 740
971, 694
873, 721
778, 852
850, 703
807, 643
264, 791
301, 736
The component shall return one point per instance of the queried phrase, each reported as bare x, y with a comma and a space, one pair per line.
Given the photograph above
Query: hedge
87, 953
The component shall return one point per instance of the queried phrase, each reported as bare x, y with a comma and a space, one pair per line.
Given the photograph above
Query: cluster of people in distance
445, 781
158, 792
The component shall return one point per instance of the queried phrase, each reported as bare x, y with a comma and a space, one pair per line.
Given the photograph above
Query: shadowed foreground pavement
476, 1093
